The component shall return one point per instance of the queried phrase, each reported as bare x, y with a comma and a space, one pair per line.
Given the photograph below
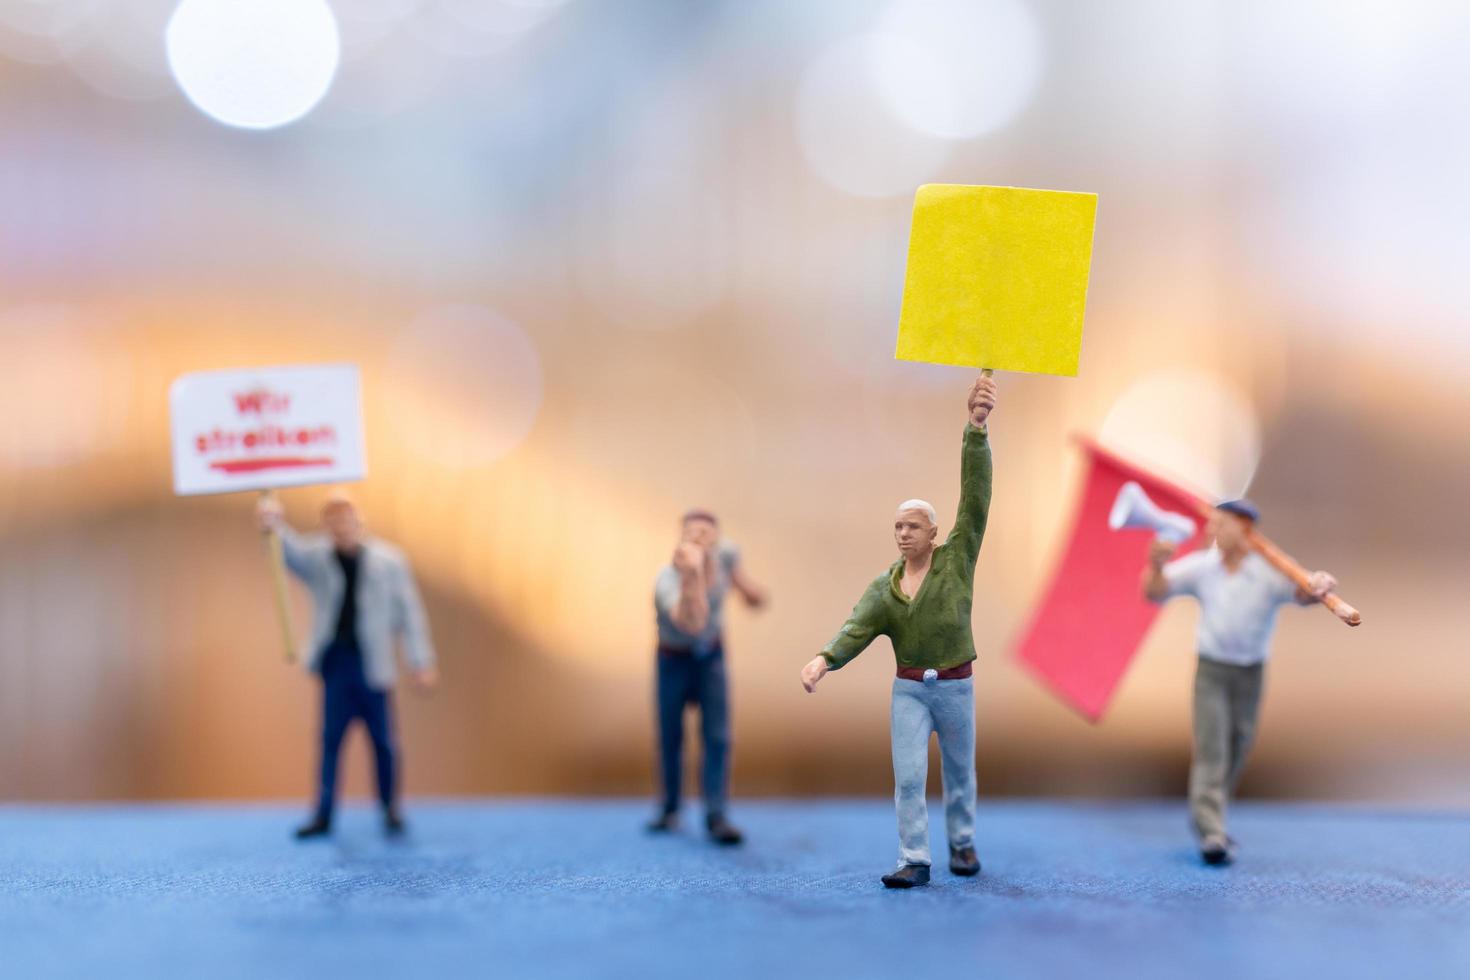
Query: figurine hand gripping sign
262, 429
997, 279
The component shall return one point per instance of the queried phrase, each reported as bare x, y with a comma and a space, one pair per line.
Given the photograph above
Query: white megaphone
1133, 509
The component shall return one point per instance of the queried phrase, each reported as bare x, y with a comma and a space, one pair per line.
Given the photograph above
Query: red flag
1093, 616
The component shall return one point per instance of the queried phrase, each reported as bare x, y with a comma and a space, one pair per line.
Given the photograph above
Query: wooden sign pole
276, 558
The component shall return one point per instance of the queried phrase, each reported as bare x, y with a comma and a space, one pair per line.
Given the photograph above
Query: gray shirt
1237, 610
666, 599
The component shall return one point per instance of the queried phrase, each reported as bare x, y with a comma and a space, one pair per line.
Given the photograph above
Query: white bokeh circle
121, 53
970, 66
1189, 424
255, 64
846, 132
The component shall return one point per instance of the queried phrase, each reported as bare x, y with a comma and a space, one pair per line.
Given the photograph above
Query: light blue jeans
946, 709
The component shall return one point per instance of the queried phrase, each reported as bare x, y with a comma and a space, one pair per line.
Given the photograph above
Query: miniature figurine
364, 600
922, 604
1238, 593
689, 599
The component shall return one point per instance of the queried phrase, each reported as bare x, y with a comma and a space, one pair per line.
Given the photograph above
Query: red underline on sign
268, 463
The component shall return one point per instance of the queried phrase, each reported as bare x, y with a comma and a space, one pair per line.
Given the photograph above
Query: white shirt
1237, 610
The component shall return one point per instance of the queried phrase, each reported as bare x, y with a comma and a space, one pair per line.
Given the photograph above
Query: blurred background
603, 260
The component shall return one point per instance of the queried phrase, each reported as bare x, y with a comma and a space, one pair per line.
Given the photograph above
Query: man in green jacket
922, 604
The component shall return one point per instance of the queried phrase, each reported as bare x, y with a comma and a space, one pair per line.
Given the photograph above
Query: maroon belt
947, 674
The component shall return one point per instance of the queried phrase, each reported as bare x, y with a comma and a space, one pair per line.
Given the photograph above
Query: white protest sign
262, 428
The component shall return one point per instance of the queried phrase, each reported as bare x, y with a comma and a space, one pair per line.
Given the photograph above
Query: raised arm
1164, 579
975, 473
1155, 582
690, 609
303, 560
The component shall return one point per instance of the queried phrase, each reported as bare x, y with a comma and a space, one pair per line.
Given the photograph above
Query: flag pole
1289, 567
1261, 544
1284, 564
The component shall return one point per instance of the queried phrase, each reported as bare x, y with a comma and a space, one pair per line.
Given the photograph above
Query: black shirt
347, 615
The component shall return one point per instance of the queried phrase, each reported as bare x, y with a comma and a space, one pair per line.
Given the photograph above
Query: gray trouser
947, 709
1226, 699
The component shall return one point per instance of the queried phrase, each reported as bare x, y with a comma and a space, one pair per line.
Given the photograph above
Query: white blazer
388, 604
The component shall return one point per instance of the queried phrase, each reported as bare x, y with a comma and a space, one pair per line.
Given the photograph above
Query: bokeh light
968, 69
364, 25
1315, 64
847, 134
382, 75
476, 28
1355, 95
40, 31
496, 16
121, 53
255, 64
466, 386
1188, 424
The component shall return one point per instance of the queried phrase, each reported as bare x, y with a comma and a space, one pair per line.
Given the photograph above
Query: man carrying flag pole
1238, 593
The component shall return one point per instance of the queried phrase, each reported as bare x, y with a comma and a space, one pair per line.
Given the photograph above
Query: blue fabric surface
531, 889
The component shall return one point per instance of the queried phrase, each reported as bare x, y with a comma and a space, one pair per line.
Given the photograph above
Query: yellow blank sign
997, 278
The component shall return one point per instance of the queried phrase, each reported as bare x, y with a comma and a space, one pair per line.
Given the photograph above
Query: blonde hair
923, 505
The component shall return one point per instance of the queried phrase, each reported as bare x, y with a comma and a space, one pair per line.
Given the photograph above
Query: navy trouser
685, 679
346, 696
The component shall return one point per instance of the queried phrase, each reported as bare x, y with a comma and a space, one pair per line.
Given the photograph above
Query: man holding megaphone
1238, 592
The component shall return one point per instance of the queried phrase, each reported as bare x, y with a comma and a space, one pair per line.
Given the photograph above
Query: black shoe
317, 828
963, 861
1215, 851
908, 876
664, 823
393, 824
722, 832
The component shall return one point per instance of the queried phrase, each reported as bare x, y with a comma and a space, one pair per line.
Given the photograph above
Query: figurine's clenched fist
1160, 551
814, 671
1320, 584
269, 514
982, 400
688, 557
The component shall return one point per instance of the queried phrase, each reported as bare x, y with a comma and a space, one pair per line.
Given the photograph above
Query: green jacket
932, 629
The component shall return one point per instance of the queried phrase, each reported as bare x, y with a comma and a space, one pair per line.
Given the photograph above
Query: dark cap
699, 515
1240, 508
